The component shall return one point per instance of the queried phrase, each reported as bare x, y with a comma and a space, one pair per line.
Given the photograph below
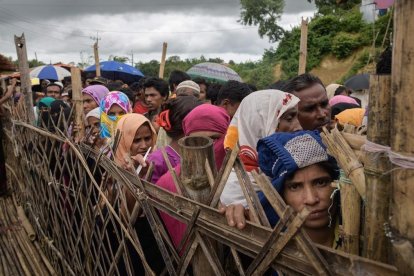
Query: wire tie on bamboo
397, 159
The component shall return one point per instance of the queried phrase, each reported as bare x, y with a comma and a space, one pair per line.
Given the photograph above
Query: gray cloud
58, 30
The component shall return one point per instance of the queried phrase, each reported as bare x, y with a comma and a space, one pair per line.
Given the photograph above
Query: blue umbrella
49, 72
115, 70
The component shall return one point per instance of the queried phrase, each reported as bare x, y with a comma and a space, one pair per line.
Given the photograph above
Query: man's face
153, 98
314, 109
53, 91
310, 187
230, 107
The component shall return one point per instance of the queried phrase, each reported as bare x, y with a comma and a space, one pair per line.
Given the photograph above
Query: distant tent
6, 64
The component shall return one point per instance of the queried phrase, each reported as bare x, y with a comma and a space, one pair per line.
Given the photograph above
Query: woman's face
311, 187
94, 125
88, 103
116, 110
289, 121
142, 140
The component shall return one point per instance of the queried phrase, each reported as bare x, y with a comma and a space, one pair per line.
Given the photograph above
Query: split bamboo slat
402, 137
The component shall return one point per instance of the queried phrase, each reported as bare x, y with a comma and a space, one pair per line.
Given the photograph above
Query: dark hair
340, 89
234, 91
158, 84
114, 86
301, 82
130, 94
338, 108
176, 77
279, 85
135, 86
253, 88
179, 108
212, 92
201, 81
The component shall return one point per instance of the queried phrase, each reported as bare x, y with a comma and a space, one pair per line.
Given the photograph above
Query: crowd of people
276, 129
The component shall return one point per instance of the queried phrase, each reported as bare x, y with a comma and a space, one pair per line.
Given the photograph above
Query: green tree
119, 58
265, 14
35, 63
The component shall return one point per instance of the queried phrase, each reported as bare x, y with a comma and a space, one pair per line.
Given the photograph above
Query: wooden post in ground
77, 102
162, 64
96, 54
402, 137
194, 151
26, 85
303, 53
376, 167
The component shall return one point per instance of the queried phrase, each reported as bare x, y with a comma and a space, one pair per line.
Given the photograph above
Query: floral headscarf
108, 123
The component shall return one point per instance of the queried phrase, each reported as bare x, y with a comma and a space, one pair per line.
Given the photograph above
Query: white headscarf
94, 113
257, 117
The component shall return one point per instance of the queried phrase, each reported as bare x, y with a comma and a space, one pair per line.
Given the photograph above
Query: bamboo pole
378, 181
26, 85
162, 64
351, 212
194, 151
77, 102
402, 134
303, 52
96, 55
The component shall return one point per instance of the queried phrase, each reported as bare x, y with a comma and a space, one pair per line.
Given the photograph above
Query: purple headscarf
97, 92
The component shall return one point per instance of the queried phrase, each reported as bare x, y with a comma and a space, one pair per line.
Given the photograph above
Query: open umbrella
213, 72
115, 70
358, 82
49, 72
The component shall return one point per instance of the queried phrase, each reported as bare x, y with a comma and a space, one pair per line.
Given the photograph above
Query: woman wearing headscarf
204, 120
137, 138
259, 115
113, 106
43, 109
342, 99
92, 96
171, 119
302, 172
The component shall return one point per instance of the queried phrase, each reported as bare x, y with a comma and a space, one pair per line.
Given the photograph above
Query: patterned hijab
108, 123
128, 126
282, 154
257, 117
97, 92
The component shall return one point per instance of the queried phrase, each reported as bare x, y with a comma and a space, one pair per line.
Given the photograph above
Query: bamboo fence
69, 193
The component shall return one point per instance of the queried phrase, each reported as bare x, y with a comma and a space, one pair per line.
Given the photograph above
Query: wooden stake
303, 53
162, 64
77, 102
96, 54
351, 201
26, 85
195, 150
378, 181
402, 134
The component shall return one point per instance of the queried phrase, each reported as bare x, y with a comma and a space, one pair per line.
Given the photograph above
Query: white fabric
306, 151
232, 193
257, 117
259, 113
94, 113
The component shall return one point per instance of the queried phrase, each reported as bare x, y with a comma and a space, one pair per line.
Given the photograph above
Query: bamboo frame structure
71, 203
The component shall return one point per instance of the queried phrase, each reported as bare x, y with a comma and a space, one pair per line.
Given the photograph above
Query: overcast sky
61, 30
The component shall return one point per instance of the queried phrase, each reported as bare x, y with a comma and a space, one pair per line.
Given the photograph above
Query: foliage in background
265, 14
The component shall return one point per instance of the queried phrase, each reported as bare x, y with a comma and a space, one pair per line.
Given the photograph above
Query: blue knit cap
282, 154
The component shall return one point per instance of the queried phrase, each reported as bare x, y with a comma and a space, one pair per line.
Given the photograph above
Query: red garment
384, 4
140, 108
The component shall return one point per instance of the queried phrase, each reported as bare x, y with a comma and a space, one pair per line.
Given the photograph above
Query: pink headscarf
97, 92
342, 99
207, 117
